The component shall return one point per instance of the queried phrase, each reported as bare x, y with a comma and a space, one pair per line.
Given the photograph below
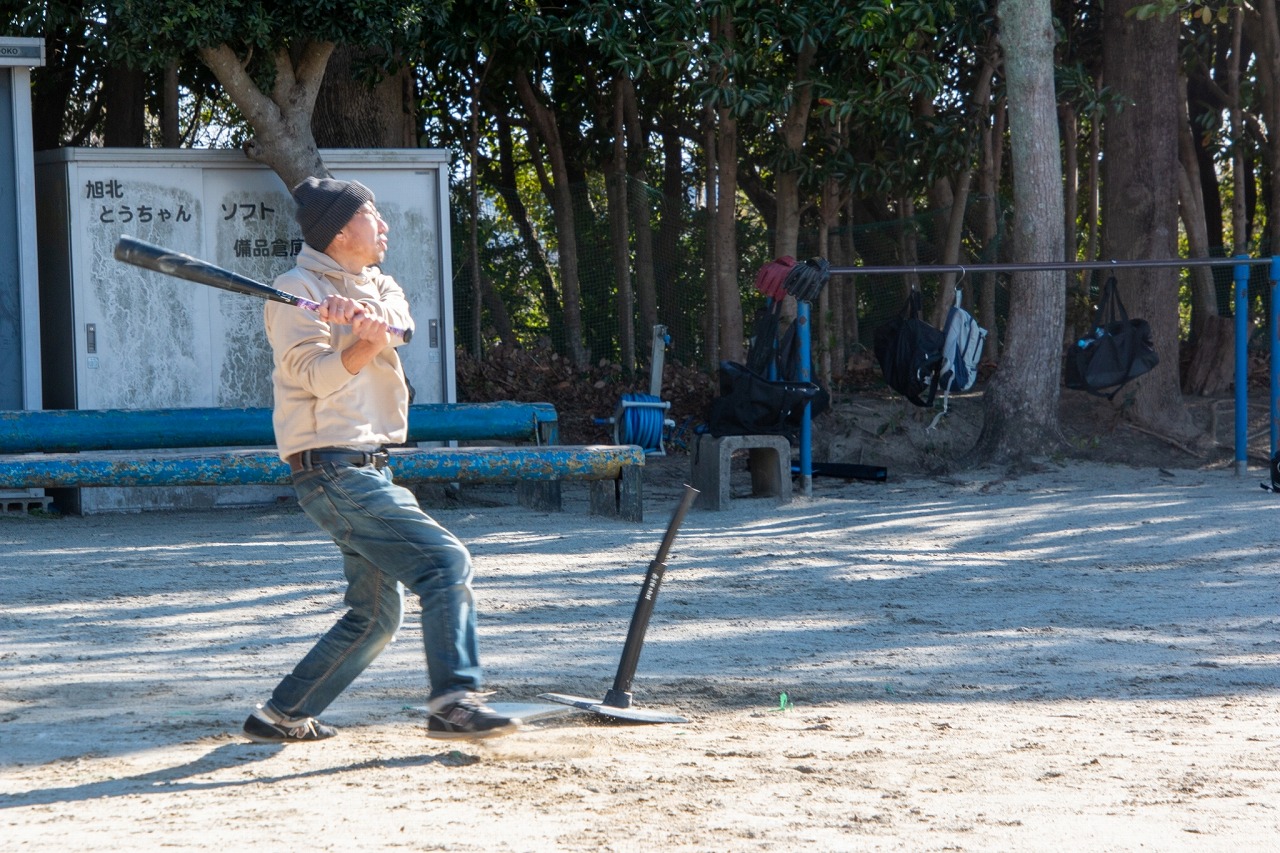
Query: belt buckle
379, 459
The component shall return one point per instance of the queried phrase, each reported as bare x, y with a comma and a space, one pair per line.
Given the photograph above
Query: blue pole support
1274, 355
1241, 276
806, 424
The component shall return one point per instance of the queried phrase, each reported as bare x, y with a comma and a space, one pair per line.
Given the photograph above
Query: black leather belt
308, 459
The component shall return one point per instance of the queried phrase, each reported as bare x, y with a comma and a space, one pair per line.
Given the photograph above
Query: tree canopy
627, 164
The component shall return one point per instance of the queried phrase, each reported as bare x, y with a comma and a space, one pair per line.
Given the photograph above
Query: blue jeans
385, 539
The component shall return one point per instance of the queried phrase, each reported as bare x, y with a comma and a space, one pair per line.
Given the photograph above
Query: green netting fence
518, 259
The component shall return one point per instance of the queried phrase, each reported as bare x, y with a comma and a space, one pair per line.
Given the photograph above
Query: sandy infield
1081, 658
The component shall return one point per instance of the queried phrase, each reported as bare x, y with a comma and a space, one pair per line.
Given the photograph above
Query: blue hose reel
641, 419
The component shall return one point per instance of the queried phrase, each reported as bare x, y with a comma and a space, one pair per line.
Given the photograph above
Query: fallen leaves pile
582, 396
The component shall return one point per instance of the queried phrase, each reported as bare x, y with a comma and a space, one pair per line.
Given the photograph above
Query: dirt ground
1077, 655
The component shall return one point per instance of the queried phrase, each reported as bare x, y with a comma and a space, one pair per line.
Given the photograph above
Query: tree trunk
849, 291
1263, 22
498, 315
124, 90
123, 98
1095, 187
951, 246
1077, 283
1208, 101
794, 129
724, 234
988, 183
1139, 203
725, 238
539, 264
1212, 367
619, 233
819, 324
1021, 413
543, 123
1239, 217
828, 332
170, 130
351, 112
1204, 297
941, 194
711, 317
908, 244
473, 219
671, 227
1070, 130
980, 102
52, 86
641, 210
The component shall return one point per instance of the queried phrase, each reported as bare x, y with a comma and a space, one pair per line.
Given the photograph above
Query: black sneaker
468, 718
260, 729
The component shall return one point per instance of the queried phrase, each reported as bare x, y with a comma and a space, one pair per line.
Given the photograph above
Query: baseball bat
149, 256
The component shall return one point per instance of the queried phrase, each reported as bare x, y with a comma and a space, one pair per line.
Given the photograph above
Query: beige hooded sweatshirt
317, 402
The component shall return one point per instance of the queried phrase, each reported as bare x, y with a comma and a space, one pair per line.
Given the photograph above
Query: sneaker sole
257, 739
283, 741
501, 731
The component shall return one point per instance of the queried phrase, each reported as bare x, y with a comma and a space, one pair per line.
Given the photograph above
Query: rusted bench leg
622, 498
539, 494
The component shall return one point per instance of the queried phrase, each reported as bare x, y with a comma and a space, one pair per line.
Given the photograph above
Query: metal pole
1274, 355
803, 317
1241, 276
657, 358
939, 269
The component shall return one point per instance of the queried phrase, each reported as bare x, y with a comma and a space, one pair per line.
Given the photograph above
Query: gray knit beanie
325, 205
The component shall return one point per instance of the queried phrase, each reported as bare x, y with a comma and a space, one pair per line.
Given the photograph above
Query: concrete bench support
768, 456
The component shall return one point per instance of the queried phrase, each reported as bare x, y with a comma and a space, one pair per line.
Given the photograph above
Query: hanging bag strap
1111, 311
1110, 308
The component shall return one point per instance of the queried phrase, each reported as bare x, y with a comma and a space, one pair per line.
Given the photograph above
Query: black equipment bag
749, 404
762, 355
1117, 350
788, 367
910, 353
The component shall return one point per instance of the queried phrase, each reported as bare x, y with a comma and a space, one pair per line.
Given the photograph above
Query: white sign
165, 342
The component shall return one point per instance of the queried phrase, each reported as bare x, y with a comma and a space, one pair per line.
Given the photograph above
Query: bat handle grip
403, 334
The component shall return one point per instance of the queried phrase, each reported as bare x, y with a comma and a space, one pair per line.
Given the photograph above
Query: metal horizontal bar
941, 269
264, 467
66, 430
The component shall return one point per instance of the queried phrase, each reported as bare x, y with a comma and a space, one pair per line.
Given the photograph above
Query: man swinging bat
340, 399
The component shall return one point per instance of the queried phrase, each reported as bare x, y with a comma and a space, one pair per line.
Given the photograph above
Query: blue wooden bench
219, 447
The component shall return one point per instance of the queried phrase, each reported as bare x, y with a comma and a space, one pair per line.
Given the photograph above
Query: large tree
1140, 200
1022, 400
